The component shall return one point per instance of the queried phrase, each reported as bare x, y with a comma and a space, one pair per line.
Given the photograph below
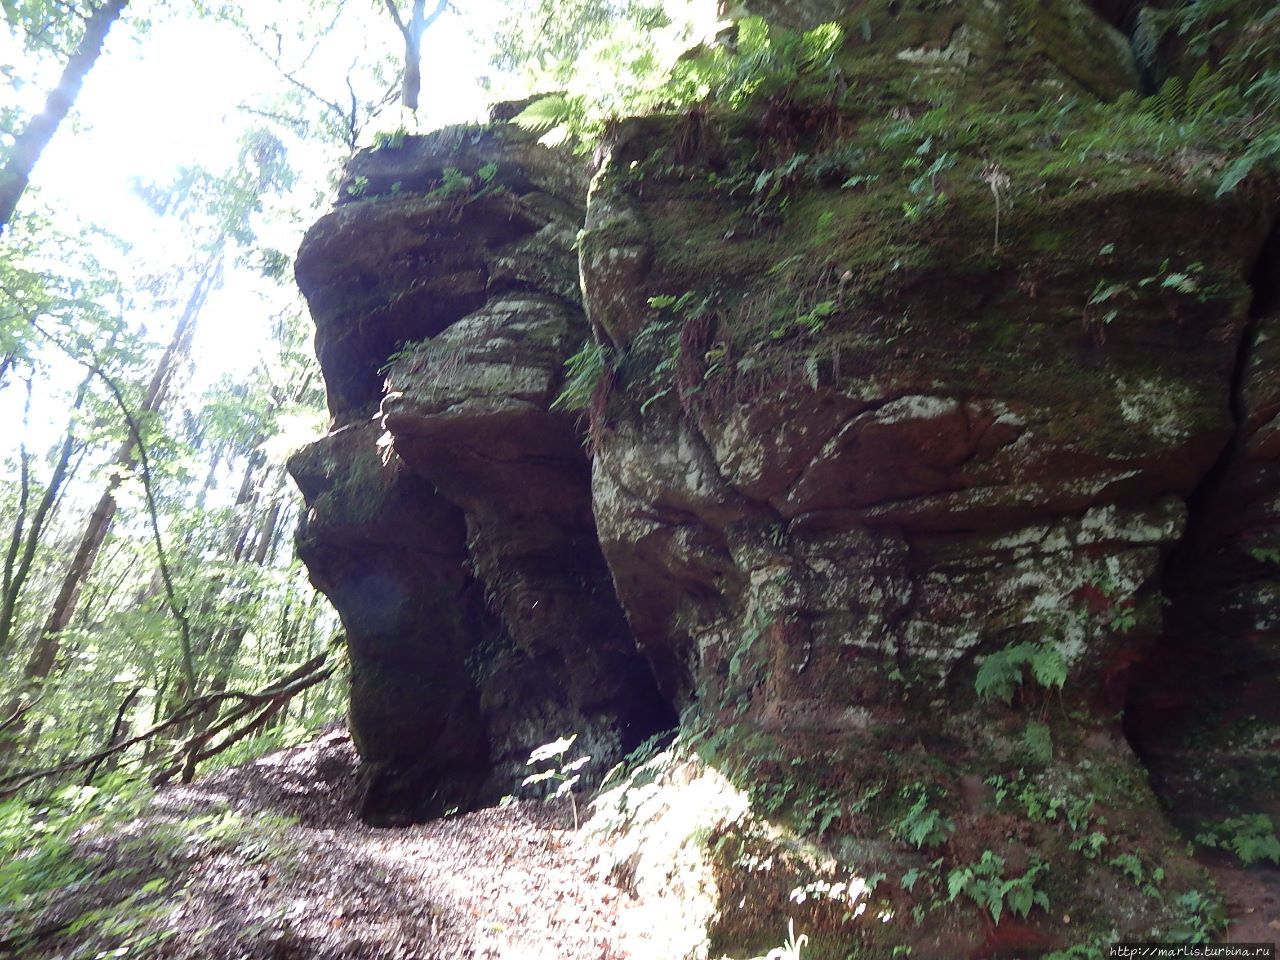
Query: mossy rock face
902, 398
935, 411
449, 513
426, 230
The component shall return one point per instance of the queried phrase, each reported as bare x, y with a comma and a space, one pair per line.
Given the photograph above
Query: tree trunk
413, 56
412, 31
48, 644
15, 574
30, 143
64, 604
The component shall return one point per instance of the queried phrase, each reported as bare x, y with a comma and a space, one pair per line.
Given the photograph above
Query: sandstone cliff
913, 494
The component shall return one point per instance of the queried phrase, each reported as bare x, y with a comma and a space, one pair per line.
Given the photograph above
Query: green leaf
1020, 899
543, 114
1048, 667
555, 748
999, 676
1038, 741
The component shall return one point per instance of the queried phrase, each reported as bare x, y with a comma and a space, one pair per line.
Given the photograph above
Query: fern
1201, 91
543, 114
984, 883
999, 676
1002, 672
583, 371
1048, 667
1166, 104
923, 826
1251, 837
1038, 741
817, 47
1265, 149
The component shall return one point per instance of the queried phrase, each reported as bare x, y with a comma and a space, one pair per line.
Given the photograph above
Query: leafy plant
1131, 867
1265, 554
921, 824
790, 950
389, 139
1038, 741
1005, 670
1043, 804
1103, 305
582, 373
564, 774
37, 853
660, 340
985, 884
811, 321
1251, 837
765, 63
452, 181
407, 348
1204, 917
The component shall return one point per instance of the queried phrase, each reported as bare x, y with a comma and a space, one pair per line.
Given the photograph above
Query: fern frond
1200, 91
1166, 103
817, 46
543, 114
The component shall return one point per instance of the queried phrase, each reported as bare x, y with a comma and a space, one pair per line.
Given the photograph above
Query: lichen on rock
927, 488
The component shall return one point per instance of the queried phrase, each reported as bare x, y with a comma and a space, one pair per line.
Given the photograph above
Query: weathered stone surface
1204, 710
488, 626
933, 464
851, 462
389, 552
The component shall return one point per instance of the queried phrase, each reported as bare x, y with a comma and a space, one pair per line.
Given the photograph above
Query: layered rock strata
933, 483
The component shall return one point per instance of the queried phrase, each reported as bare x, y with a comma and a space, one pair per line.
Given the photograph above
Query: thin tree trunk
226, 647
16, 575
412, 31
48, 644
117, 730
30, 143
64, 603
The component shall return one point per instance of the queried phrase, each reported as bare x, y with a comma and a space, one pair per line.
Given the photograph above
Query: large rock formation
933, 470
453, 528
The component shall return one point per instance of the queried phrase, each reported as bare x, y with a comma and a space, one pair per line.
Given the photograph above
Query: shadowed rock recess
935, 491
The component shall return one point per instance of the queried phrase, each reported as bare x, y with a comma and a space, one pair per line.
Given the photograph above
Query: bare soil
315, 882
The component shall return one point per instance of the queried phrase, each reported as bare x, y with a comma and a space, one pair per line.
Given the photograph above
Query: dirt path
267, 862
499, 884
1252, 898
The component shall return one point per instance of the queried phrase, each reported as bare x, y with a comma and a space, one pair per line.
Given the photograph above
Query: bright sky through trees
173, 96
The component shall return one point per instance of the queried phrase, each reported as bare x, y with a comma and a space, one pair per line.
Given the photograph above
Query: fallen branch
114, 735
195, 749
18, 713
284, 688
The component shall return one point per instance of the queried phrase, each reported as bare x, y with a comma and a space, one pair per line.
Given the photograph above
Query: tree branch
18, 713
395, 15
307, 675
115, 733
